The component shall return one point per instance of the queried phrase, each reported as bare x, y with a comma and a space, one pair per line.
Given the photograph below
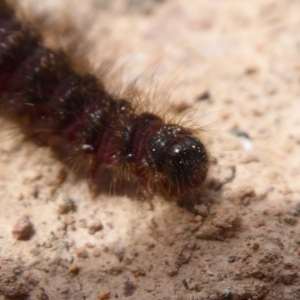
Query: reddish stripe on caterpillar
75, 114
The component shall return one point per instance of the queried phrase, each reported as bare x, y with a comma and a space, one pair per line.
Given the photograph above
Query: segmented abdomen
75, 112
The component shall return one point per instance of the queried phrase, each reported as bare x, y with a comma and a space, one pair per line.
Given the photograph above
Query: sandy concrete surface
233, 67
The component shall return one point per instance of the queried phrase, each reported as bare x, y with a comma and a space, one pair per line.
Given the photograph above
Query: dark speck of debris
240, 133
227, 295
129, 288
296, 212
23, 229
231, 259
178, 263
244, 138
204, 96
185, 284
36, 193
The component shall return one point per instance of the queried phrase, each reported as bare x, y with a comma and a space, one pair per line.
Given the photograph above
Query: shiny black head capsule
180, 157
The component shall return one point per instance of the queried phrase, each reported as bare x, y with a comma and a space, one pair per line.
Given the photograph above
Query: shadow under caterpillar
75, 115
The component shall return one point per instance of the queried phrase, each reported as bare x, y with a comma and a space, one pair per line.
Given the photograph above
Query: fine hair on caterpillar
82, 121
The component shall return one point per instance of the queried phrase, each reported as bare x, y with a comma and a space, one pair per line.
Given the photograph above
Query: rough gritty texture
236, 65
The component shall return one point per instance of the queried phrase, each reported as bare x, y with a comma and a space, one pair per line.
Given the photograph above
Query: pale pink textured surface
245, 242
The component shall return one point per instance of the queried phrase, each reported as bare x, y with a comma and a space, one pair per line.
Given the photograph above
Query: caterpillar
74, 114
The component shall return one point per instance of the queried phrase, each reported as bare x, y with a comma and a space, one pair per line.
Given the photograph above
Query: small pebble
73, 228
255, 246
23, 229
104, 295
74, 269
95, 226
139, 272
202, 210
81, 252
172, 271
251, 70
119, 251
89, 245
96, 252
181, 107
290, 220
66, 206
231, 259
297, 207
129, 288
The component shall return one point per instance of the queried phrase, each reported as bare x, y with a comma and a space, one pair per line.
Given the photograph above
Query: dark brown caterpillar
75, 114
